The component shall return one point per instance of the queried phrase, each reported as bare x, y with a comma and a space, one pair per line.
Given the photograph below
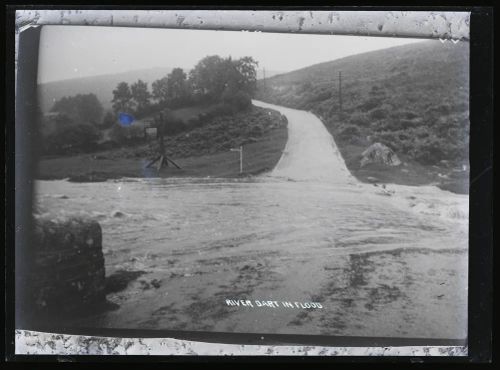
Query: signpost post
241, 157
162, 159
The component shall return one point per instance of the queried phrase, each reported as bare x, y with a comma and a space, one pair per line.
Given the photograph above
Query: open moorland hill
412, 98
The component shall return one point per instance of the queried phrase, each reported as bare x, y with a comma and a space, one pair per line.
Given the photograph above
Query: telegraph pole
340, 91
264, 78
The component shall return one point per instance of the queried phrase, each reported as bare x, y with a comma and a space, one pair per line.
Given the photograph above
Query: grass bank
410, 172
202, 152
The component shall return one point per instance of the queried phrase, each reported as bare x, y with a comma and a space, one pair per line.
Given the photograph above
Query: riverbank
260, 156
202, 152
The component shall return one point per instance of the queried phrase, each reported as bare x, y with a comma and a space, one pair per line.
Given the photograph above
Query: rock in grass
379, 153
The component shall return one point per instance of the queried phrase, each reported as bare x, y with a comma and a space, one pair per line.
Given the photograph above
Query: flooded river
375, 262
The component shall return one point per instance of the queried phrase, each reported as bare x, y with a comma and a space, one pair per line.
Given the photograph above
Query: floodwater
306, 247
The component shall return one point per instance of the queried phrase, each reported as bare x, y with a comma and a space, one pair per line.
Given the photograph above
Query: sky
81, 51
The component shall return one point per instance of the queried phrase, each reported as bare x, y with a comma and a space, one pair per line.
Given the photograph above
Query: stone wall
67, 269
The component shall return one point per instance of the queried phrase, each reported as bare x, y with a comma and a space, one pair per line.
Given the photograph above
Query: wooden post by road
241, 157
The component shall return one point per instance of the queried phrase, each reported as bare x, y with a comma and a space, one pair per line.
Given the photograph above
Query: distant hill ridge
103, 85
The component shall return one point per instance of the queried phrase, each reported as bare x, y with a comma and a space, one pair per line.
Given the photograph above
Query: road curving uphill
311, 153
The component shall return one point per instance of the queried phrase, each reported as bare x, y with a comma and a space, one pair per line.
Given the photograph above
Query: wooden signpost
161, 158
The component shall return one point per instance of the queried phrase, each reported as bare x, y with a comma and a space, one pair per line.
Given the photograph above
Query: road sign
151, 131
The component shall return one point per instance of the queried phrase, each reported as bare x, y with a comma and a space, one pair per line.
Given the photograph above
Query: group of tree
72, 124
81, 108
76, 122
134, 98
214, 79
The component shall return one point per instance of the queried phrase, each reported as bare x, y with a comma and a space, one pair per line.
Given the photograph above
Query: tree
177, 86
213, 76
246, 79
160, 90
122, 98
140, 96
71, 138
108, 120
208, 77
80, 108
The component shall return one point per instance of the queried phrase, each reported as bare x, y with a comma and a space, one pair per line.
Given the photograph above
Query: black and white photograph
250, 182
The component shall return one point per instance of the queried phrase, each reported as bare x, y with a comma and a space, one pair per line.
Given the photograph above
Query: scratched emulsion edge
32, 342
415, 24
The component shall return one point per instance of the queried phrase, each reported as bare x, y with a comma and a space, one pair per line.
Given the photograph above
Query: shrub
409, 115
359, 119
429, 150
378, 113
387, 138
126, 134
319, 96
350, 133
108, 120
256, 131
194, 122
174, 126
72, 139
239, 100
377, 92
370, 104
304, 86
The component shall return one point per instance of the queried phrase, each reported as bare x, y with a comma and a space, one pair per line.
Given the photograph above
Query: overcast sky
81, 51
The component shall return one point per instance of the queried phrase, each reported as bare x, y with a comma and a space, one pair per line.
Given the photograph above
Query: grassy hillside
413, 98
102, 86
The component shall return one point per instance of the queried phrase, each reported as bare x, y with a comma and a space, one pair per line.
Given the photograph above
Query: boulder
379, 153
67, 273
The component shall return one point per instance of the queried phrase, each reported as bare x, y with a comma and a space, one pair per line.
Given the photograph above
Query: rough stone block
67, 272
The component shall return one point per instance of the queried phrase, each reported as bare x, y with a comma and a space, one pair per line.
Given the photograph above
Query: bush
350, 133
108, 120
194, 122
395, 124
126, 134
430, 150
379, 113
388, 138
409, 115
72, 139
370, 104
174, 126
239, 99
317, 96
359, 119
